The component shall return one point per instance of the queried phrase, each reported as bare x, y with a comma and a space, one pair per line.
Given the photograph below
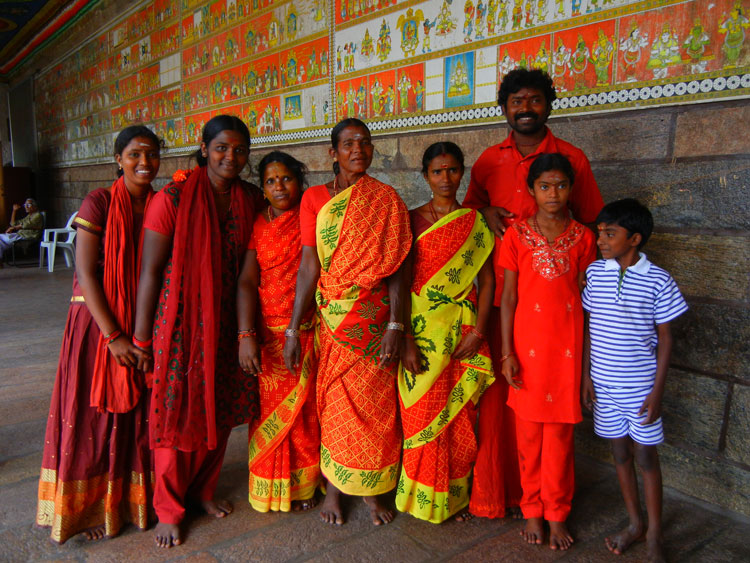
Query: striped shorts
616, 415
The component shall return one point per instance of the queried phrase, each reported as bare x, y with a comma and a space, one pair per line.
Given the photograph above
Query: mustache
530, 114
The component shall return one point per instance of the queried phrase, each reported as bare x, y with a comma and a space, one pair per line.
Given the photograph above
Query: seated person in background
28, 228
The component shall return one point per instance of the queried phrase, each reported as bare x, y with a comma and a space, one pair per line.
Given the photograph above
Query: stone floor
33, 305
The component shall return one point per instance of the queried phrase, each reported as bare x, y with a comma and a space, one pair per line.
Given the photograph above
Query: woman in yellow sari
355, 235
446, 365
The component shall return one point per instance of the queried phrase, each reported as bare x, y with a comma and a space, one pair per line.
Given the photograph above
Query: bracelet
246, 334
506, 356
395, 326
143, 344
112, 336
476, 333
291, 333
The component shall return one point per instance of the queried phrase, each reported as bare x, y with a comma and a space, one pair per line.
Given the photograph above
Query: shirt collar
547, 144
640, 267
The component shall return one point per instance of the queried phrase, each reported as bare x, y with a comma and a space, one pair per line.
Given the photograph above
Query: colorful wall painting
292, 68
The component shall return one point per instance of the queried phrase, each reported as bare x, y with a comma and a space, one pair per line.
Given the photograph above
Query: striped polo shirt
623, 313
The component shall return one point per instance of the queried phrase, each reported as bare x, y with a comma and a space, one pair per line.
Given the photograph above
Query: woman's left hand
390, 346
468, 347
250, 355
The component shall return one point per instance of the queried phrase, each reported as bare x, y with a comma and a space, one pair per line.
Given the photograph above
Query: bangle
291, 333
143, 344
112, 336
506, 356
246, 334
395, 326
476, 333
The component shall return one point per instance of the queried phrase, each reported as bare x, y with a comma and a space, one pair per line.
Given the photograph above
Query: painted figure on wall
491, 16
506, 65
468, 20
375, 92
427, 25
459, 80
445, 22
578, 63
733, 28
479, 20
665, 52
517, 15
291, 23
541, 60
366, 47
384, 41
404, 85
408, 24
602, 52
419, 95
560, 61
695, 46
631, 47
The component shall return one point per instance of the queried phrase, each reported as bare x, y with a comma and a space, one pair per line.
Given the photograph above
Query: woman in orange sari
196, 233
96, 467
446, 365
284, 448
355, 235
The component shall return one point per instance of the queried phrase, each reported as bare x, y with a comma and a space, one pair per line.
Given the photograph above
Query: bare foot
623, 539
559, 536
533, 531
514, 512
380, 513
302, 505
95, 533
464, 515
167, 535
655, 551
219, 508
331, 512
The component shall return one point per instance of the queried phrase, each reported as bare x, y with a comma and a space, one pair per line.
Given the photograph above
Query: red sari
96, 465
284, 447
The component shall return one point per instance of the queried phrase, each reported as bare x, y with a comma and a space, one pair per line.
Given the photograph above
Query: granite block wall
691, 166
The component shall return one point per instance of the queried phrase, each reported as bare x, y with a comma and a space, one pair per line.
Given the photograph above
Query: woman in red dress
196, 233
96, 466
284, 447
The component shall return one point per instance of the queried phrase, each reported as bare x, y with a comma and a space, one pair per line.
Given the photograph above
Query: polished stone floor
33, 305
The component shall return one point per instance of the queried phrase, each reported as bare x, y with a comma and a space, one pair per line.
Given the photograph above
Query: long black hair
128, 134
215, 126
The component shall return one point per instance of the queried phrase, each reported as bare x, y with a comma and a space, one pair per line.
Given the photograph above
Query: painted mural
292, 68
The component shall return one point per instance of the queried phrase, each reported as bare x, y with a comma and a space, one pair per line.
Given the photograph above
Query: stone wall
691, 166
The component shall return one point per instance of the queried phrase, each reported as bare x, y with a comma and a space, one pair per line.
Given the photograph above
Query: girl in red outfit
196, 233
545, 259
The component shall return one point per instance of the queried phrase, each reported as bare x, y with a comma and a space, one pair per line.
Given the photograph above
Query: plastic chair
59, 238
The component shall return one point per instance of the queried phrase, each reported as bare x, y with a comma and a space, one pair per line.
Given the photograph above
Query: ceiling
26, 24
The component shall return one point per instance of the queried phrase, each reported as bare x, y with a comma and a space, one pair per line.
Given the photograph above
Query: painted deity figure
404, 85
459, 80
376, 92
419, 95
541, 60
481, 14
427, 25
517, 15
575, 8
733, 27
491, 16
695, 47
631, 47
541, 11
560, 7
445, 22
560, 61
602, 52
578, 62
366, 47
409, 25
468, 20
384, 41
665, 52
506, 65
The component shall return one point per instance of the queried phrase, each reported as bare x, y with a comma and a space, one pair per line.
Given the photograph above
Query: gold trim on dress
77, 299
87, 224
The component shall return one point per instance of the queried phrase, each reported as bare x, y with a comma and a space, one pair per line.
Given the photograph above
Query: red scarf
195, 288
116, 388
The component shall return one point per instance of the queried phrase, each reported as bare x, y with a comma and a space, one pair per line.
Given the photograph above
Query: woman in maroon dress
96, 468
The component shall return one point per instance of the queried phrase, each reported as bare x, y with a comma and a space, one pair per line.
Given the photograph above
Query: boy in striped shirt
629, 304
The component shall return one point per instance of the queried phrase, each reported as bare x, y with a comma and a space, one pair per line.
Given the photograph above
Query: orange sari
284, 455
363, 236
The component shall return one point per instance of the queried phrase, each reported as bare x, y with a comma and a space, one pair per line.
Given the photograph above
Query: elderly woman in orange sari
284, 448
446, 365
355, 235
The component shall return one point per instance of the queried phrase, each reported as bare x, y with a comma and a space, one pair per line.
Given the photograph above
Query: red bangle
112, 336
476, 333
245, 334
144, 344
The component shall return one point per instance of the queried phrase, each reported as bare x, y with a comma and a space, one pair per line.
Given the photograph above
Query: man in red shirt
498, 188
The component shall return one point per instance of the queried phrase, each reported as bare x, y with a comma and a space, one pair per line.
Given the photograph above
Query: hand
249, 355
389, 347
468, 347
125, 353
494, 217
651, 405
510, 370
292, 353
16, 206
588, 397
410, 357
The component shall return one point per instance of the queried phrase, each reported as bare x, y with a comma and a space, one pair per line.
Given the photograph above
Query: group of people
362, 342
28, 227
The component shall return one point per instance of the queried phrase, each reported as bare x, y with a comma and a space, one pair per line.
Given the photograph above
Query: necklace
434, 214
268, 210
538, 229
